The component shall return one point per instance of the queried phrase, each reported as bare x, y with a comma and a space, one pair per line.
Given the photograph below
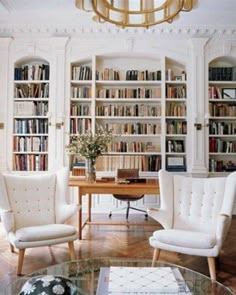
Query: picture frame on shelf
229, 93
175, 163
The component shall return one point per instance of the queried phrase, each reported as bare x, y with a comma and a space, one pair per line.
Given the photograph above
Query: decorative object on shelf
90, 146
143, 13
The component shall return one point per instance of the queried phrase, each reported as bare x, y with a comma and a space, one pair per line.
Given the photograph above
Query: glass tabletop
91, 276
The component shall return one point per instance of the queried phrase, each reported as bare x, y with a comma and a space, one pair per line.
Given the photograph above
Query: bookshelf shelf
176, 97
131, 96
222, 115
31, 116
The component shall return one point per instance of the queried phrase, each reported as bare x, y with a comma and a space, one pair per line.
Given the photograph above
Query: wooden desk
84, 188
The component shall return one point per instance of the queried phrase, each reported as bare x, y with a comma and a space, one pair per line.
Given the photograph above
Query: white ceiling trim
71, 30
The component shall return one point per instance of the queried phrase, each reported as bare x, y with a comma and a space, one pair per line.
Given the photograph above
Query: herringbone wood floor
116, 241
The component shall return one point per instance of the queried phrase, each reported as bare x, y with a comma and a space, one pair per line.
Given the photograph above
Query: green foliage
89, 145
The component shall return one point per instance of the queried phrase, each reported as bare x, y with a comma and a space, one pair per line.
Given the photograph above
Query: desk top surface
152, 183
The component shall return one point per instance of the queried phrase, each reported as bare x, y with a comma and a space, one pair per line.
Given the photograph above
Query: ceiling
16, 15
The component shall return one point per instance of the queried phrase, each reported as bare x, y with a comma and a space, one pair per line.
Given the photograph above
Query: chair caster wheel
110, 215
146, 216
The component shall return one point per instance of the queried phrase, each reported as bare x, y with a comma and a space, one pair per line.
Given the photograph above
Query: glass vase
90, 170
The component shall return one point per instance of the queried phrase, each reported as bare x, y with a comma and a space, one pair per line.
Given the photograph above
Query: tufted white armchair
195, 214
33, 211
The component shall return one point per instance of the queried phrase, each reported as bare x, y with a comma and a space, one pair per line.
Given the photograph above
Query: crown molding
9, 30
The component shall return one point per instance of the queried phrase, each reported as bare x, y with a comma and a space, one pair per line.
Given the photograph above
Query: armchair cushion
186, 239
44, 232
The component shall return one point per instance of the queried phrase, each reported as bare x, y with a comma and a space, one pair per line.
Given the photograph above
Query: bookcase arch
31, 113
221, 113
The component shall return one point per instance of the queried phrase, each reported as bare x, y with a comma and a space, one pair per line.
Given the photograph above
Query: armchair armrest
65, 212
222, 227
160, 216
8, 220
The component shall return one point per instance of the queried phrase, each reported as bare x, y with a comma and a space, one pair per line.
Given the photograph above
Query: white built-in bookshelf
145, 108
30, 116
222, 115
175, 116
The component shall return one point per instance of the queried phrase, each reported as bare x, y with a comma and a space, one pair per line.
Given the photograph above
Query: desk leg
89, 206
80, 216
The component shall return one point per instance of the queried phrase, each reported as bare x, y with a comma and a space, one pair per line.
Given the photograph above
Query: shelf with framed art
222, 115
31, 115
175, 116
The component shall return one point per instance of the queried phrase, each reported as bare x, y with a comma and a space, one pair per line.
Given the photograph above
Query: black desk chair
124, 174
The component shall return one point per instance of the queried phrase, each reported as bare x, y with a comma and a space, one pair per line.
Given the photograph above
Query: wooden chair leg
212, 268
156, 255
12, 248
20, 261
71, 250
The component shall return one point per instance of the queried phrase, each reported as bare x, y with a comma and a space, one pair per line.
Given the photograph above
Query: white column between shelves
198, 83
4, 86
59, 49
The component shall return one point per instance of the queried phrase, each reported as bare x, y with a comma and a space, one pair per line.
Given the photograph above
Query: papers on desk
141, 280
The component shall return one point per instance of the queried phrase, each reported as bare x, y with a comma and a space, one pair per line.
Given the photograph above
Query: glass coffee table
86, 275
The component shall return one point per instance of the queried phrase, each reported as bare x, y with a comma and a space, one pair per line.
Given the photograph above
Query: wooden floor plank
116, 241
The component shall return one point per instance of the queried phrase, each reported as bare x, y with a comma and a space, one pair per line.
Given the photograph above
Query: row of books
222, 128
108, 74
31, 108
176, 127
30, 162
30, 143
133, 147
78, 171
81, 73
222, 110
175, 109
130, 75
39, 90
141, 162
80, 125
81, 92
137, 110
140, 92
134, 128
143, 75
176, 91
214, 92
80, 109
217, 145
32, 72
31, 126
222, 73
220, 166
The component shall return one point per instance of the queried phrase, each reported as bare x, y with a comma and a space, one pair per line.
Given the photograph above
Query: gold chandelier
134, 13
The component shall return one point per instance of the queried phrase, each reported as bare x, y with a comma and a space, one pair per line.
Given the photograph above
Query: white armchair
33, 211
195, 214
